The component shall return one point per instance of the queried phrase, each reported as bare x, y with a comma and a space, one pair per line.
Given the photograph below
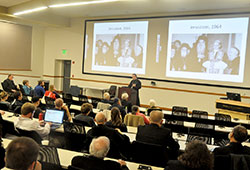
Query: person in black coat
9, 85
135, 84
98, 149
196, 157
119, 143
84, 117
117, 103
237, 136
154, 133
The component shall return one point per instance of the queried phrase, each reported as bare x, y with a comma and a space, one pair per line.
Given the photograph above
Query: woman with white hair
152, 106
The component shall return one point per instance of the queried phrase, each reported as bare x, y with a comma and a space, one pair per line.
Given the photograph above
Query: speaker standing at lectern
135, 85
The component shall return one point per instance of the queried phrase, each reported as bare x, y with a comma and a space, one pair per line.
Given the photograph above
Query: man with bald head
98, 150
118, 141
155, 133
59, 106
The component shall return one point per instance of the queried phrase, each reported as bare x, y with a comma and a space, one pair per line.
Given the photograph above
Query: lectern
131, 93
235, 109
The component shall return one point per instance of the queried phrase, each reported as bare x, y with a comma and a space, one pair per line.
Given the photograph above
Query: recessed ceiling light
81, 3
30, 10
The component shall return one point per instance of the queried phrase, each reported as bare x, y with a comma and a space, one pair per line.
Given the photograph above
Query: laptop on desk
55, 117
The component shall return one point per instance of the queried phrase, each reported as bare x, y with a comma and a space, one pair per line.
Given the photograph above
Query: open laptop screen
54, 116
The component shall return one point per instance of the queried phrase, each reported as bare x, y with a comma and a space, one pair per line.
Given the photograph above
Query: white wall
37, 57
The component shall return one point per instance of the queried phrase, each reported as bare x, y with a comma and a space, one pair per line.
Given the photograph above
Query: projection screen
204, 50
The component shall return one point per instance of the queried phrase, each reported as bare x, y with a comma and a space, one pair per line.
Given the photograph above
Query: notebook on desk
55, 117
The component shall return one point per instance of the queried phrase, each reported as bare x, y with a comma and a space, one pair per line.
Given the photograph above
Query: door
66, 76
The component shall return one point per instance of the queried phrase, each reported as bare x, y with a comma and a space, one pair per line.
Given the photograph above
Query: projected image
119, 50
120, 47
207, 49
210, 53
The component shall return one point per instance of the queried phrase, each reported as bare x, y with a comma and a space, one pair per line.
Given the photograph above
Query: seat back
83, 99
112, 91
48, 154
152, 109
74, 90
3, 86
201, 115
50, 103
103, 106
150, 154
31, 134
74, 168
4, 106
17, 110
232, 162
80, 122
178, 111
21, 89
74, 135
67, 98
222, 117
95, 101
107, 114
133, 120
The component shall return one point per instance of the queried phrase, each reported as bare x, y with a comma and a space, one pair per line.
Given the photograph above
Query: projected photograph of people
207, 49
120, 47
206, 53
120, 50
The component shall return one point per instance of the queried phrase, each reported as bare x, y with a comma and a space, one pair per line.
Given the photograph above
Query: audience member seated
125, 103
36, 102
119, 142
86, 108
52, 93
2, 150
59, 106
106, 98
39, 89
18, 100
26, 121
116, 120
98, 149
9, 85
27, 88
196, 157
152, 106
22, 153
3, 98
155, 133
136, 111
237, 136
117, 103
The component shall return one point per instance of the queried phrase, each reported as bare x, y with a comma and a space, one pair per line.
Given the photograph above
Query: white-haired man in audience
106, 98
155, 133
237, 136
119, 142
98, 150
126, 103
21, 154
